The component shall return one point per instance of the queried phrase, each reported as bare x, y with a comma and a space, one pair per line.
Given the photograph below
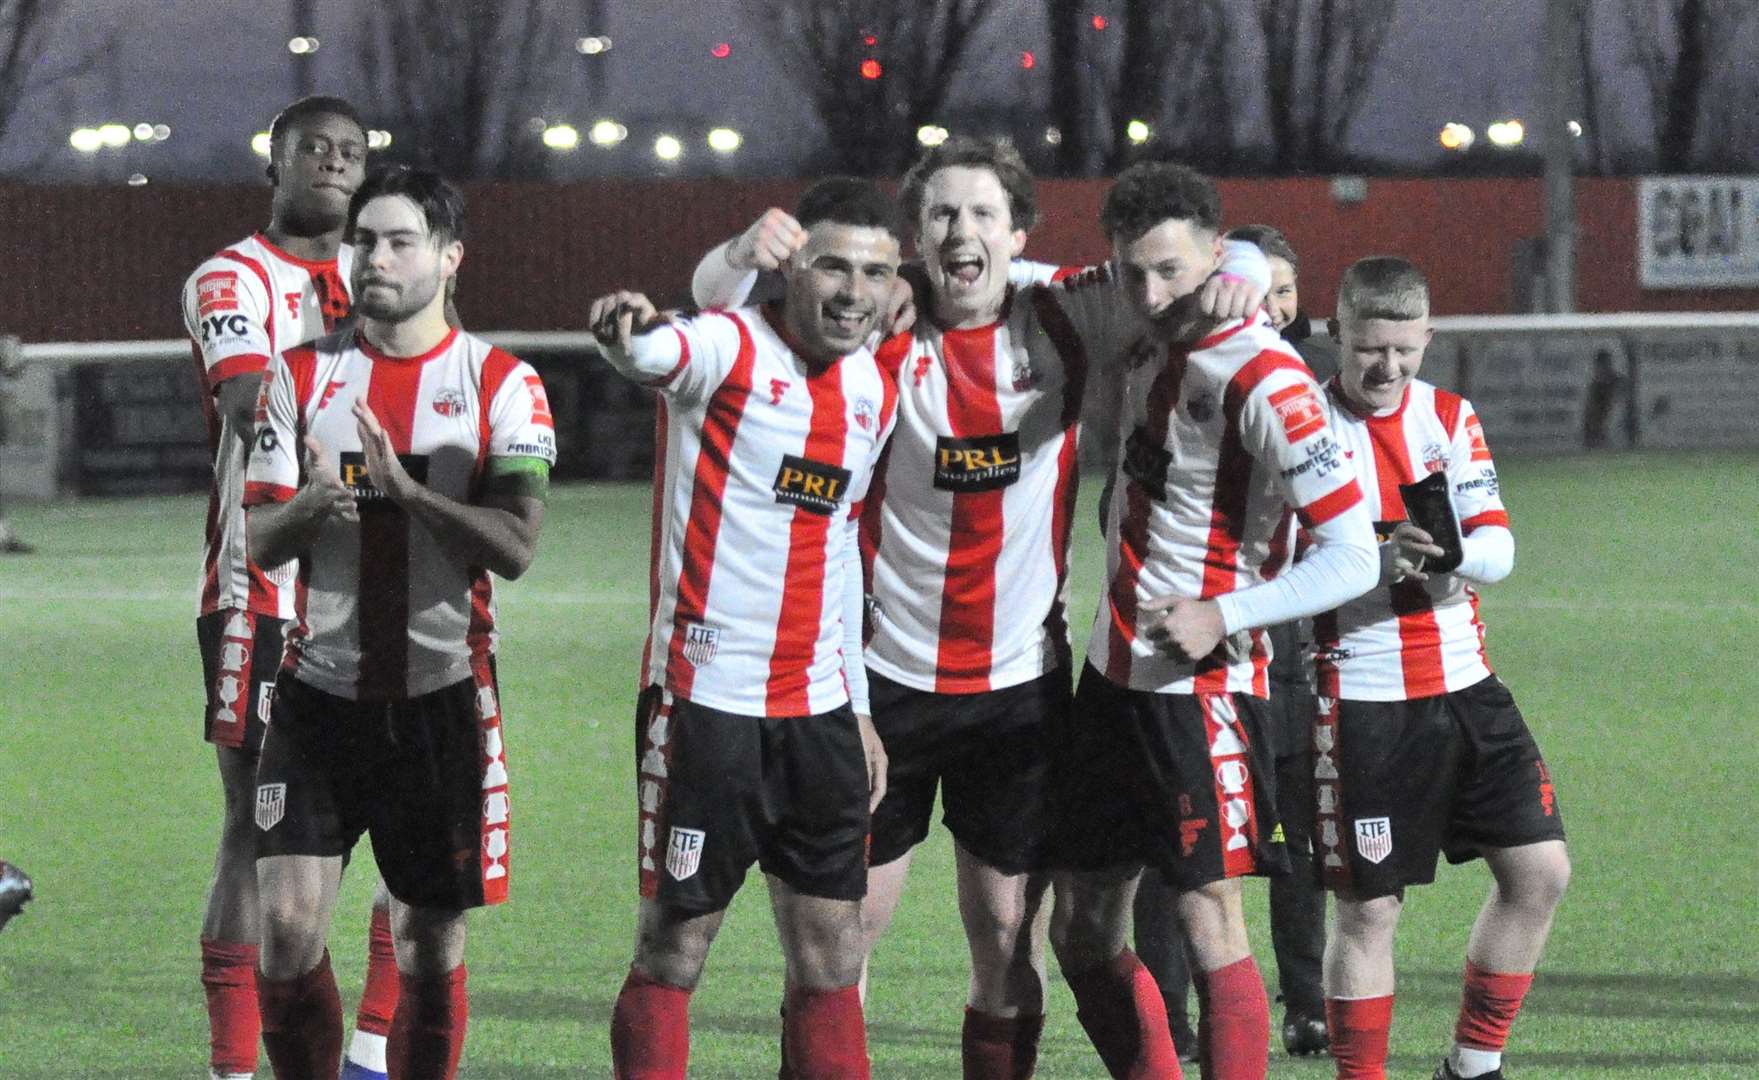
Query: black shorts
1395, 783
986, 753
719, 791
425, 777
241, 656
1180, 782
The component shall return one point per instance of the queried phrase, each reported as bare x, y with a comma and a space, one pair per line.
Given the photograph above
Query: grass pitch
1626, 633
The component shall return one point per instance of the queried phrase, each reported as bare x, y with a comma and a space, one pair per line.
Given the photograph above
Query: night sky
216, 70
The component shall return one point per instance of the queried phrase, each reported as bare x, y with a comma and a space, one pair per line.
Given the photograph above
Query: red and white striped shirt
761, 469
1412, 639
385, 612
966, 534
241, 307
1223, 437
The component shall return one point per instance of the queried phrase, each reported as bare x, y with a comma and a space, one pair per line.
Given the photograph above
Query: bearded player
271, 291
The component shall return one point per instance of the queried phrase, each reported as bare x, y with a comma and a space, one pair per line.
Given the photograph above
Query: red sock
1488, 1007
1125, 1018
229, 975
999, 1047
302, 1023
427, 1032
1359, 1028
826, 1035
650, 1030
1236, 1015
378, 1001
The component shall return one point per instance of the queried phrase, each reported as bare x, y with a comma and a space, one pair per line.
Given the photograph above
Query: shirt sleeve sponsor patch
979, 463
1299, 410
1475, 435
811, 485
216, 291
540, 403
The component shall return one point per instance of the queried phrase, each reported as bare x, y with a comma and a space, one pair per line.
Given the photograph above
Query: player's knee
1541, 884
1368, 920
292, 940
673, 955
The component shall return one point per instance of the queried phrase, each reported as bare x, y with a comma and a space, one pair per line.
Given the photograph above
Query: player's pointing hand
1183, 628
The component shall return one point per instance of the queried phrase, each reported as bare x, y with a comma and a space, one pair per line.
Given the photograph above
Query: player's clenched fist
1225, 297
616, 317
1183, 628
770, 241
324, 495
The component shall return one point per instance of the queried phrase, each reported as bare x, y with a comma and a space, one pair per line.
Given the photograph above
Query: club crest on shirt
865, 413
811, 485
1374, 839
684, 852
1025, 378
701, 643
271, 805
978, 463
1435, 457
449, 403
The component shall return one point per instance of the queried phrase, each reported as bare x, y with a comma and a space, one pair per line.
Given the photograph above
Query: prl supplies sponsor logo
811, 485
367, 493
978, 463
1374, 839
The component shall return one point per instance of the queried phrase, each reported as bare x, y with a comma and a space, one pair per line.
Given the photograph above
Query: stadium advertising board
1698, 232
140, 429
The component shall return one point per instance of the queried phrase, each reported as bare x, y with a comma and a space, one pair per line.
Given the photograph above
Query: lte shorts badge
684, 852
1374, 838
271, 805
700, 643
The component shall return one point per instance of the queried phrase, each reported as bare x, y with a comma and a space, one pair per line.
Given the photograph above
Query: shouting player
400, 464
1225, 429
273, 290
754, 742
1420, 749
966, 534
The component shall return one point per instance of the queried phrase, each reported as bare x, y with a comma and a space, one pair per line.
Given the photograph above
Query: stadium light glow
561, 137
303, 46
724, 140
1506, 133
143, 132
85, 140
161, 132
668, 148
592, 46
607, 133
931, 134
1575, 128
1456, 136
260, 143
377, 139
115, 136
137, 179
1053, 135
1137, 132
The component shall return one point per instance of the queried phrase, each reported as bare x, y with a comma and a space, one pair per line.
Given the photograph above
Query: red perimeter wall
83, 264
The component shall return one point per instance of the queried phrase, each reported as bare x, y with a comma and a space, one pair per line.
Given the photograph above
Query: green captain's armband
524, 477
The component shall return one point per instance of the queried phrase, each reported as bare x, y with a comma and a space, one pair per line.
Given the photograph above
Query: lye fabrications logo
811, 485
367, 493
979, 463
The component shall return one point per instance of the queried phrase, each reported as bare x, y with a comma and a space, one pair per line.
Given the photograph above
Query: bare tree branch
463, 80
918, 46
